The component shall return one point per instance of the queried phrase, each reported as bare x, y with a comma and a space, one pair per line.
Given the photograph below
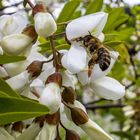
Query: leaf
16, 109
113, 43
68, 11
94, 6
4, 87
115, 18
25, 3
10, 59
2, 94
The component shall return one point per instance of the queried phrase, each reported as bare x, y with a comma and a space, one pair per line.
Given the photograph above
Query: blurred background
122, 33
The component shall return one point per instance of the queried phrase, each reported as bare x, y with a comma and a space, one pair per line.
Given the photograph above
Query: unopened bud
78, 116
38, 8
35, 68
69, 95
18, 126
31, 32
56, 78
53, 119
71, 135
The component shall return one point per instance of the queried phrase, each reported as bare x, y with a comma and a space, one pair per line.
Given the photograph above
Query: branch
107, 106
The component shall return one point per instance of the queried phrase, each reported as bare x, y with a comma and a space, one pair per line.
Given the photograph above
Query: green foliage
68, 10
17, 109
94, 6
10, 59
25, 3
115, 18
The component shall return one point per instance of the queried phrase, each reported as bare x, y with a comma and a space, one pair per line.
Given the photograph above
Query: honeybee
98, 52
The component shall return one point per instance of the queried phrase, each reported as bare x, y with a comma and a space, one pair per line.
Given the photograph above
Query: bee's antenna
89, 33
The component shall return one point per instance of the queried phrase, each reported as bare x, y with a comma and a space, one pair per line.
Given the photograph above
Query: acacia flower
44, 23
10, 24
77, 57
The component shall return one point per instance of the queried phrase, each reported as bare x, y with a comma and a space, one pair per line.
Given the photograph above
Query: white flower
95, 131
48, 132
20, 81
4, 135
3, 72
80, 27
108, 88
1, 51
15, 44
51, 97
76, 59
45, 25
30, 133
10, 24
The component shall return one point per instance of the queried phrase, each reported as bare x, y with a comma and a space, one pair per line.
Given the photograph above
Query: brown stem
30, 3
48, 60
107, 106
55, 36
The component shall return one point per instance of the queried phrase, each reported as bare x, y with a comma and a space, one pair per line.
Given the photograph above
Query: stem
54, 53
30, 3
63, 125
48, 60
63, 23
55, 36
93, 107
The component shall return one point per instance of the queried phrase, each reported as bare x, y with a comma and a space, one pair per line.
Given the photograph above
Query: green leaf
68, 10
4, 87
113, 43
10, 59
2, 94
116, 17
17, 109
94, 6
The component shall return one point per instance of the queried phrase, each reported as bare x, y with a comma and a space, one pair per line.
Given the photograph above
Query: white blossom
45, 25
15, 44
10, 24
51, 97
48, 132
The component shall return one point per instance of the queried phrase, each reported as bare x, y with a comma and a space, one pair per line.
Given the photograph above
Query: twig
107, 106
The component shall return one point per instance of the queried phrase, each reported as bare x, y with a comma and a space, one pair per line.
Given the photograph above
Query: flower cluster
52, 80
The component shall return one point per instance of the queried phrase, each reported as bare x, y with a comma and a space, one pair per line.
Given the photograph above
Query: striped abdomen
104, 58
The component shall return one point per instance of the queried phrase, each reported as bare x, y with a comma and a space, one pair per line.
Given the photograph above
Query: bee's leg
91, 63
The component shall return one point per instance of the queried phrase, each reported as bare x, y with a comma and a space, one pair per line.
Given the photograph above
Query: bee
98, 52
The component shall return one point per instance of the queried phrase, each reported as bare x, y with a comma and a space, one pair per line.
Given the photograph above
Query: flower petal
93, 23
97, 72
95, 131
51, 97
44, 24
75, 59
108, 88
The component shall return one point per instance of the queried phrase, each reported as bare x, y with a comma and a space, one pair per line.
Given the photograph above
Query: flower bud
35, 68
53, 118
15, 44
95, 131
51, 97
30, 133
31, 32
45, 25
56, 78
39, 7
78, 116
69, 95
71, 135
